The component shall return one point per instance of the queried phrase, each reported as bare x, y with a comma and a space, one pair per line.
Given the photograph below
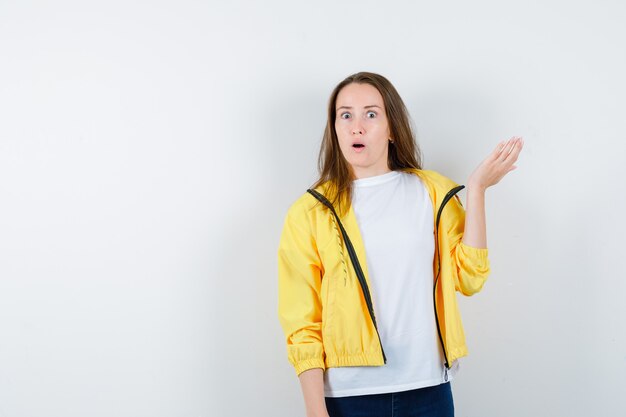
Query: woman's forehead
359, 95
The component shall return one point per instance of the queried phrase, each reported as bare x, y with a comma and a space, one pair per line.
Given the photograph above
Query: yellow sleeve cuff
473, 252
309, 364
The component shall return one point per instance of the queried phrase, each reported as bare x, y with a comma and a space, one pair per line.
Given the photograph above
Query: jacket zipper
355, 264
447, 198
365, 289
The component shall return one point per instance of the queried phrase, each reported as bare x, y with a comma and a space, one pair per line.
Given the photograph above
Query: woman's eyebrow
366, 107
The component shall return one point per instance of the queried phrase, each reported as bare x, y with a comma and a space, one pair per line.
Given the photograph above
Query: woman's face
362, 129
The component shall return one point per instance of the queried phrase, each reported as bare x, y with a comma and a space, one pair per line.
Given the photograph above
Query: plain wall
149, 152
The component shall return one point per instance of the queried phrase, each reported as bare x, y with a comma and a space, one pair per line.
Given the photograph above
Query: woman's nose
357, 130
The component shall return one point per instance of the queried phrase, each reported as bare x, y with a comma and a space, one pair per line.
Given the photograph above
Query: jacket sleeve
472, 264
300, 274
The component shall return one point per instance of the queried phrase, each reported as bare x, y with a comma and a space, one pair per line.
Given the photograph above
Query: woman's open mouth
358, 147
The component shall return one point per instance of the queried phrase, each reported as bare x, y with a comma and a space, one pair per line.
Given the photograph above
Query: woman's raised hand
500, 162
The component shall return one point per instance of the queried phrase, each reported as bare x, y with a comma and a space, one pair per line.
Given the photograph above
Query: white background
149, 152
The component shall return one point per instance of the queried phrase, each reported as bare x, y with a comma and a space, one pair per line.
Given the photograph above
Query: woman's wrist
475, 188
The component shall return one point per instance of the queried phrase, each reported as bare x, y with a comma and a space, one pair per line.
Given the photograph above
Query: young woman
370, 260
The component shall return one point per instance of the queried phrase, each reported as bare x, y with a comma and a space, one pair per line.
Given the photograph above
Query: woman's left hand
500, 162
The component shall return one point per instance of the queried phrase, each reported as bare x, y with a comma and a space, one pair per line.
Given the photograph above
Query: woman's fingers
508, 164
499, 163
516, 148
511, 151
507, 148
498, 150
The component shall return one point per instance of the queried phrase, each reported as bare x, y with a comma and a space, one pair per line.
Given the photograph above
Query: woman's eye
345, 115
371, 114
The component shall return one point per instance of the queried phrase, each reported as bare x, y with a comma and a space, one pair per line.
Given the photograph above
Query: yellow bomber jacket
324, 305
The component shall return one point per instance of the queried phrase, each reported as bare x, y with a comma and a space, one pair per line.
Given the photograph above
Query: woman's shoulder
306, 203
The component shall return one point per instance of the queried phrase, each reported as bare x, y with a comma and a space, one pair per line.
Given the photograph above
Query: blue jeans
435, 401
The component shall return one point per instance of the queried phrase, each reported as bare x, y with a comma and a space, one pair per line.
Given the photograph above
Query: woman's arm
312, 383
299, 291
300, 306
488, 173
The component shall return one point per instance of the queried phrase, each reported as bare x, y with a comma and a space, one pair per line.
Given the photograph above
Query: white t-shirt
395, 217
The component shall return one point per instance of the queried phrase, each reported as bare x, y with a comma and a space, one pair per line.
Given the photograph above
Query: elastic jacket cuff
476, 253
309, 364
